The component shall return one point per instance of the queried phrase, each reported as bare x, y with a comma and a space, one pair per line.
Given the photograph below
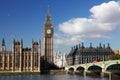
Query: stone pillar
39, 62
24, 62
20, 63
8, 61
3, 60
85, 71
32, 55
31, 61
27, 62
13, 55
103, 69
39, 57
52, 50
13, 62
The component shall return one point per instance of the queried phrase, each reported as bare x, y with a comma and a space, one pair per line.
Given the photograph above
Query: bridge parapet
104, 65
110, 63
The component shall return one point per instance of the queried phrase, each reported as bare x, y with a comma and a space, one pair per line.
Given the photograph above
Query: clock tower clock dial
48, 31
48, 39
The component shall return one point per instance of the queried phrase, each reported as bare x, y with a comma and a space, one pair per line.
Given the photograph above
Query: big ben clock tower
48, 39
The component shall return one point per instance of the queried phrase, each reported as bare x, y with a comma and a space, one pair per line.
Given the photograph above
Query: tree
114, 57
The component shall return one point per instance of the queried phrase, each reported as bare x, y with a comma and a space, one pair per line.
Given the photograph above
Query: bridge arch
71, 69
115, 68
112, 64
80, 69
99, 64
94, 68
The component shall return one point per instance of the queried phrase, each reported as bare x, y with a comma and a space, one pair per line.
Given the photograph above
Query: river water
56, 77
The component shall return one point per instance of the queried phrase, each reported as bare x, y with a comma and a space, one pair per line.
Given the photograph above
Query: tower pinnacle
3, 42
48, 12
48, 18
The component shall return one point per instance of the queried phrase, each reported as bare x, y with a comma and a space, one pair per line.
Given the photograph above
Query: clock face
48, 31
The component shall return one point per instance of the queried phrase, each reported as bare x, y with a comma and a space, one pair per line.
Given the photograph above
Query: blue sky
74, 21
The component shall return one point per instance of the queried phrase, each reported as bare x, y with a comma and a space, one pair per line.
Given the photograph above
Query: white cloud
104, 18
107, 12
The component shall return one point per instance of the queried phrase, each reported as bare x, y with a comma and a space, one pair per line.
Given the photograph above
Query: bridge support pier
70, 72
102, 74
84, 73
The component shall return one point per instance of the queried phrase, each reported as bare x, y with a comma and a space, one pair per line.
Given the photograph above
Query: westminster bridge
103, 67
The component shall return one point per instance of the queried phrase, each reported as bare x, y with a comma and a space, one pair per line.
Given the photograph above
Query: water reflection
56, 77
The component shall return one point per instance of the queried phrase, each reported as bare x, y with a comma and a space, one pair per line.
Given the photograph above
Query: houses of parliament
28, 59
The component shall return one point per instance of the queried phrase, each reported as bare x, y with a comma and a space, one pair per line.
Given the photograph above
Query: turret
3, 48
3, 42
79, 46
108, 46
90, 45
76, 46
83, 45
100, 45
104, 46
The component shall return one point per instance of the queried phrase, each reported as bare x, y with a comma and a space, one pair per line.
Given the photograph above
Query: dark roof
17, 43
35, 43
26, 49
81, 50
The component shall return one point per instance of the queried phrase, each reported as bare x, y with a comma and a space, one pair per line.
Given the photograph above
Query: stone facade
80, 54
60, 59
20, 59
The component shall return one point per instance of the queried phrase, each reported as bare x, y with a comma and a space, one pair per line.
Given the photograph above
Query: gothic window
6, 58
10, 64
10, 58
5, 64
25, 64
0, 65
0, 58
36, 60
29, 64
26, 57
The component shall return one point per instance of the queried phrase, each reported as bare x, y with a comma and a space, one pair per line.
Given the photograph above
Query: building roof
81, 50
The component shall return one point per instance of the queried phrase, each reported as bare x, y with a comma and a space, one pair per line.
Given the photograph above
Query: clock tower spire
48, 39
48, 19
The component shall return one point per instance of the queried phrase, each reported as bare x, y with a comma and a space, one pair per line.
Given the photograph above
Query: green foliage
114, 57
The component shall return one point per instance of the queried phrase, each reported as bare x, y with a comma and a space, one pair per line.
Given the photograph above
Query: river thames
57, 77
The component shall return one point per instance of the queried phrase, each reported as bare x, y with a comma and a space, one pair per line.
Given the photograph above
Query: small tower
17, 53
3, 47
100, 46
108, 47
36, 55
90, 45
83, 45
